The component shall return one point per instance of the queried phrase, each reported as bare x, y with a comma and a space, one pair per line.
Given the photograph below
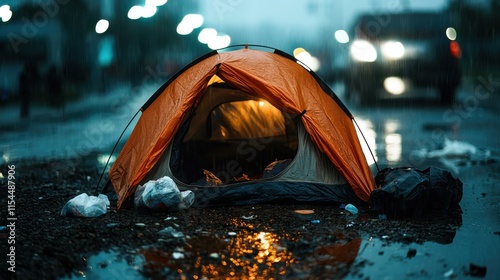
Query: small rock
214, 255
411, 253
278, 248
171, 231
112, 225
140, 225
249, 217
449, 273
231, 233
177, 255
477, 270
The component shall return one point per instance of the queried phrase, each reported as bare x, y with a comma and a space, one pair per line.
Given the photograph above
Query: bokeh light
135, 12
341, 36
101, 26
206, 35
451, 33
5, 13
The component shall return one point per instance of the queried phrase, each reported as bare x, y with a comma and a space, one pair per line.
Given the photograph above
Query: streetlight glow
156, 3
206, 34
101, 26
341, 36
5, 13
135, 12
148, 11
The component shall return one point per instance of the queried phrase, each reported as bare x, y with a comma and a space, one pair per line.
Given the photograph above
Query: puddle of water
111, 265
243, 255
381, 260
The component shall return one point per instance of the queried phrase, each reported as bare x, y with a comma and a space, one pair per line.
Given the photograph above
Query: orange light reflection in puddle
248, 254
257, 254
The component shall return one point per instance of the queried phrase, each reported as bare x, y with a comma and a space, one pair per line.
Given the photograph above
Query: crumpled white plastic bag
84, 205
162, 194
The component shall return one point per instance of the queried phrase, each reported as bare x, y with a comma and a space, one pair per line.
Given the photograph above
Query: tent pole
366, 142
97, 191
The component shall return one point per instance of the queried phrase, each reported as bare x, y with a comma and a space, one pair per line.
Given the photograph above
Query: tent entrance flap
233, 136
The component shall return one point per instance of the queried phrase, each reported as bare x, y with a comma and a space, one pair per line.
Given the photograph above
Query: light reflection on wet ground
246, 254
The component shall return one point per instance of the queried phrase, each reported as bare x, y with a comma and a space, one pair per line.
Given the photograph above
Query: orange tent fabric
283, 82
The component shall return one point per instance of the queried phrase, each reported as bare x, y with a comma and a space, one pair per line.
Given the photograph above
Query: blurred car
394, 54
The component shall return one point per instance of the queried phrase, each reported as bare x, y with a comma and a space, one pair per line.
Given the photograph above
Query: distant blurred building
63, 33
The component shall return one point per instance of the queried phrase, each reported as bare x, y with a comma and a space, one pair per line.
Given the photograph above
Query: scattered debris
411, 253
211, 179
140, 225
454, 148
249, 217
162, 194
171, 231
315, 221
214, 256
382, 217
177, 255
450, 273
477, 270
231, 233
278, 248
304, 212
351, 209
84, 205
112, 225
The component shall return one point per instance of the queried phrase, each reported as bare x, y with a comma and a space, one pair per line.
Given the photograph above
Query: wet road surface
402, 133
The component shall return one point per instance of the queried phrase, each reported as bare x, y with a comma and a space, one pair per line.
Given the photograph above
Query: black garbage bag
414, 193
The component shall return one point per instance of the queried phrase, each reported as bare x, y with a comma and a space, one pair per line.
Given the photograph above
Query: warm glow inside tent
246, 126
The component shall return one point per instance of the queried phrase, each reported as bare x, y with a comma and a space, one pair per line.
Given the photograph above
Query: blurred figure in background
28, 80
54, 87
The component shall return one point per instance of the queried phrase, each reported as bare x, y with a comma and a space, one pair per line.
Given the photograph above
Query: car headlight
362, 50
392, 50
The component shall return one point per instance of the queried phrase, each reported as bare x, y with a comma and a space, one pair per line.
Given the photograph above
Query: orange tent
174, 115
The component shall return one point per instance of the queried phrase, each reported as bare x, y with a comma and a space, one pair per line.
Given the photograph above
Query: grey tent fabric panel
275, 192
309, 164
161, 169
